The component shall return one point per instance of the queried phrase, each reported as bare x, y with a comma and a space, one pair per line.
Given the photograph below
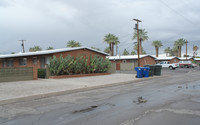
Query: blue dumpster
139, 72
146, 72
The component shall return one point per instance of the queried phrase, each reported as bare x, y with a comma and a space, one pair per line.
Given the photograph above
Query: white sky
54, 22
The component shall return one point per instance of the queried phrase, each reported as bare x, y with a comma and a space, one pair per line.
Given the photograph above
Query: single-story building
40, 58
172, 59
197, 60
131, 59
188, 58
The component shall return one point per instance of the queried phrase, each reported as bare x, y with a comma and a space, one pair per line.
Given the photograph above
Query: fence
16, 74
127, 66
112, 68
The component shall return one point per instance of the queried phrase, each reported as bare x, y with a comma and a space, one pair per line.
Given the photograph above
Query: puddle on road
86, 110
101, 107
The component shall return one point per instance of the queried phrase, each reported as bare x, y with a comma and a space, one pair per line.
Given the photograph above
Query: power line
164, 3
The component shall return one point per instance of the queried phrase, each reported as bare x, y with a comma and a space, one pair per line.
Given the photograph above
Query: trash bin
146, 72
139, 72
151, 70
157, 71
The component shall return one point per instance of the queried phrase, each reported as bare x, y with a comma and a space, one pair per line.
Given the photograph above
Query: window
4, 63
34, 60
10, 63
175, 60
22, 61
42, 62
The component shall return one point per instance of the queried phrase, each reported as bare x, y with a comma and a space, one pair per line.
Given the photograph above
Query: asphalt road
172, 100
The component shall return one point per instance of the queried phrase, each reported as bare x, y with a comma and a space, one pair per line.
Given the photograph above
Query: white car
166, 64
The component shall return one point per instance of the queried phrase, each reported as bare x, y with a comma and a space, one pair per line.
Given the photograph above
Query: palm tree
195, 48
179, 43
167, 51
175, 51
157, 44
35, 48
73, 44
142, 37
50, 48
136, 48
125, 52
111, 40
107, 50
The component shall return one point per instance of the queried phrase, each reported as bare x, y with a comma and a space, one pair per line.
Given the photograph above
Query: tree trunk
110, 49
176, 53
156, 51
140, 46
180, 51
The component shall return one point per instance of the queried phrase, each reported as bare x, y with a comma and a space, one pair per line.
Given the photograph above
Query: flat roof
197, 59
46, 52
165, 58
127, 57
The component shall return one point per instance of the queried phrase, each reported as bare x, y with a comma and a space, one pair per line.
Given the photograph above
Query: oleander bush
78, 65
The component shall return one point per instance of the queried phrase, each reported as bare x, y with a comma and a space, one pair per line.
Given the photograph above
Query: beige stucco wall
127, 66
112, 68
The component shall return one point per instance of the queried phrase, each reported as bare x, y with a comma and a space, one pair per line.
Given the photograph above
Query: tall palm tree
111, 40
116, 43
157, 44
136, 48
195, 48
142, 37
107, 50
175, 51
73, 44
167, 51
179, 43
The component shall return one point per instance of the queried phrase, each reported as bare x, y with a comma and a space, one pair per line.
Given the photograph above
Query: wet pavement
174, 100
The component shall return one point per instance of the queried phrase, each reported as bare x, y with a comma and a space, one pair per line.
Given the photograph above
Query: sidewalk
36, 89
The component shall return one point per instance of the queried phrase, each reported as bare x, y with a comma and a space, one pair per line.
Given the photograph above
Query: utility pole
186, 49
138, 39
23, 45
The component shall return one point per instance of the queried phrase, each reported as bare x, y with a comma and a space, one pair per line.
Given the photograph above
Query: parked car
166, 64
194, 65
185, 64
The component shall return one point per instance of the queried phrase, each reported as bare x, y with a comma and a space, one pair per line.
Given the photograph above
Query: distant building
131, 59
171, 60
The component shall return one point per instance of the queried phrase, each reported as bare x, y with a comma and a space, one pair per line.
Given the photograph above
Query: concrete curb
45, 95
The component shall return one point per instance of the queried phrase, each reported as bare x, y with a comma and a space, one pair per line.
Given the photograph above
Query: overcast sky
54, 22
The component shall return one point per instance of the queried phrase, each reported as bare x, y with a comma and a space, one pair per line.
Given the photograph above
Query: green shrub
41, 73
78, 65
99, 64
